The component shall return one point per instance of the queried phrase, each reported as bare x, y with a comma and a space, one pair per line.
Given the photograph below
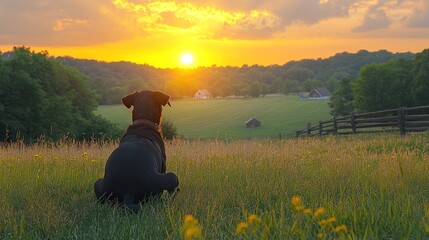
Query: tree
291, 86
41, 96
310, 84
169, 131
383, 86
341, 102
370, 91
420, 88
255, 89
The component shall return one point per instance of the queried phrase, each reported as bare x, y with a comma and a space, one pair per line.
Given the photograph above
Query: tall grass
377, 186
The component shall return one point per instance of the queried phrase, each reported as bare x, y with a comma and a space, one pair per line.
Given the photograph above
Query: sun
187, 59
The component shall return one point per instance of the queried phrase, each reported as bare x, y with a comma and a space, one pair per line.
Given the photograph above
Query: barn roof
323, 92
251, 120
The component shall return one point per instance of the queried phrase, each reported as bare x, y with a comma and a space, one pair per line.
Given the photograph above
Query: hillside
112, 80
226, 117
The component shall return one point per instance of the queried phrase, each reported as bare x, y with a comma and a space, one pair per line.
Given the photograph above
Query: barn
319, 93
253, 123
202, 94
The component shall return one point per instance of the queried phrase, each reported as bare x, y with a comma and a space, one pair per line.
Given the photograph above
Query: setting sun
187, 59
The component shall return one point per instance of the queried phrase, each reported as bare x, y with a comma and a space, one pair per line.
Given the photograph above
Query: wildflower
320, 235
38, 156
191, 228
327, 221
93, 161
253, 219
193, 232
85, 155
241, 228
340, 228
319, 212
296, 201
331, 220
190, 221
308, 211
322, 222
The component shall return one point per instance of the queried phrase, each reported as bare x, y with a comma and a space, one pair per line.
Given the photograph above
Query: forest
113, 80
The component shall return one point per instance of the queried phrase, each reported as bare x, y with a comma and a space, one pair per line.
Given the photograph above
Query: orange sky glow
220, 32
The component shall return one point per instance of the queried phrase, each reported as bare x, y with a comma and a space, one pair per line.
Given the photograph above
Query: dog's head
147, 104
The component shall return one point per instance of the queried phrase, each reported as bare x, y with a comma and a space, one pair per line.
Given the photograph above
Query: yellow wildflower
93, 161
320, 235
322, 222
319, 212
308, 211
331, 220
241, 228
327, 221
299, 208
340, 228
193, 232
253, 219
85, 155
296, 201
190, 221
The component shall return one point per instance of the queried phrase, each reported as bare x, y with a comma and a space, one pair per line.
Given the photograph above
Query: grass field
363, 187
222, 118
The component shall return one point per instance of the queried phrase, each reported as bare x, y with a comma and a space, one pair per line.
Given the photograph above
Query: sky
215, 32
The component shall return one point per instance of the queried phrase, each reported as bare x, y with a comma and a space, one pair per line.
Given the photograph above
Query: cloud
375, 19
59, 22
205, 22
83, 22
420, 16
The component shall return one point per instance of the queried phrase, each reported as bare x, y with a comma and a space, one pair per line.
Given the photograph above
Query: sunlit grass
219, 118
376, 187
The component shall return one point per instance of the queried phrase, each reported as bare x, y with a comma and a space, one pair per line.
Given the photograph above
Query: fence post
401, 120
334, 126
353, 122
308, 128
320, 128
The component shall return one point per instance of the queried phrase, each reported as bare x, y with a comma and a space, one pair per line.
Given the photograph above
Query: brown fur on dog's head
147, 104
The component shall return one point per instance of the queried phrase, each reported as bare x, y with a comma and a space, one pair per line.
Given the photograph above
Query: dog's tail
130, 204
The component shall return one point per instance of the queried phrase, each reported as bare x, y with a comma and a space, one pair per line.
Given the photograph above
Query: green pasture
220, 118
357, 187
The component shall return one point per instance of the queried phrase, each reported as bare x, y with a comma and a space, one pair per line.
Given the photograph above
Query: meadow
356, 187
225, 118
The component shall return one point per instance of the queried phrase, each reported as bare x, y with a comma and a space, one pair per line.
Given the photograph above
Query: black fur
136, 170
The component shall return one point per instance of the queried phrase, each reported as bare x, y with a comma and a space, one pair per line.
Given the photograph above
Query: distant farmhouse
319, 93
202, 94
252, 123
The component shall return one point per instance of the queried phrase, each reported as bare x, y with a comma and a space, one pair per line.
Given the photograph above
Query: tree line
116, 79
389, 85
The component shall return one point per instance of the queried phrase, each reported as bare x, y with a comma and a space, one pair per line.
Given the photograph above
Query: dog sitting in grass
136, 169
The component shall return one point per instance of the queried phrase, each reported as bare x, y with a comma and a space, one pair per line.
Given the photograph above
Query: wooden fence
402, 120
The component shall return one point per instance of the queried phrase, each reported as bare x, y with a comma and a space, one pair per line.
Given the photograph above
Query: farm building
252, 123
319, 93
202, 94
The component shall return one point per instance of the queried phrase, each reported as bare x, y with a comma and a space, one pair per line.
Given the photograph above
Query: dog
136, 169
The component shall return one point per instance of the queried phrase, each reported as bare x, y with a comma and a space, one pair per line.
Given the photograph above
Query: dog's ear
161, 98
130, 99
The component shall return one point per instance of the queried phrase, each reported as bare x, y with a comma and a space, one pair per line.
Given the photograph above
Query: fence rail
402, 120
